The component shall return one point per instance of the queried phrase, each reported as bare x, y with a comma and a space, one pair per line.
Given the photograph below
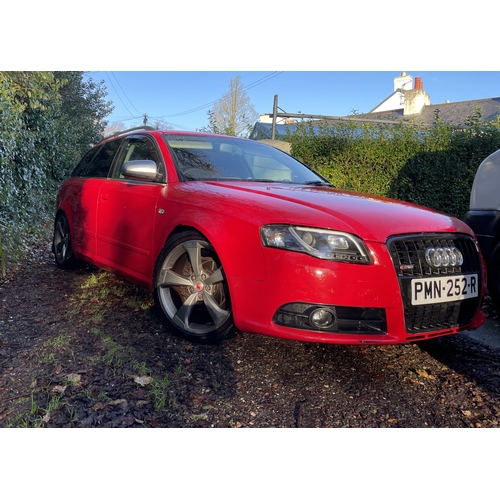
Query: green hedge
432, 166
47, 122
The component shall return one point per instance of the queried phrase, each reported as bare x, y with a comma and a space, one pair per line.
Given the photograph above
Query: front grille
408, 255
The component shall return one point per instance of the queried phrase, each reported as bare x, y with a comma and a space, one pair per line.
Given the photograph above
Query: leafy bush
432, 166
47, 121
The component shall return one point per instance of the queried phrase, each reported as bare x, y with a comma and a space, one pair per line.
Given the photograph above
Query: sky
182, 98
169, 59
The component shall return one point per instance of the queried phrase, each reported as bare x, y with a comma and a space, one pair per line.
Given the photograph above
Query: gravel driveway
86, 349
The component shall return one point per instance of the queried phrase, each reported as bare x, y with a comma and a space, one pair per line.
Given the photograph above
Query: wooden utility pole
275, 112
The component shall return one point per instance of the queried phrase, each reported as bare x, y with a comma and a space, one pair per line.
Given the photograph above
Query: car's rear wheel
61, 244
191, 290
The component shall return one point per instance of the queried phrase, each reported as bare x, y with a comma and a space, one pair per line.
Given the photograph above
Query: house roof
454, 113
397, 91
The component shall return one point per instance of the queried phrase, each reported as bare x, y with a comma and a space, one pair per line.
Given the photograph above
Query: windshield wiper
264, 180
317, 183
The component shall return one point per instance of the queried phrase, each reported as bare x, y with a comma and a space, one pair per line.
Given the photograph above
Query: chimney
416, 99
403, 82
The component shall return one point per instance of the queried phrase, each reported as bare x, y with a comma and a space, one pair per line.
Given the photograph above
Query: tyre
61, 244
494, 277
190, 289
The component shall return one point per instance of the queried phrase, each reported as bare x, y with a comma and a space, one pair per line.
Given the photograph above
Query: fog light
322, 318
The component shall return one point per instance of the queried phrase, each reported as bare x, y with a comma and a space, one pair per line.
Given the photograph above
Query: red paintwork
116, 225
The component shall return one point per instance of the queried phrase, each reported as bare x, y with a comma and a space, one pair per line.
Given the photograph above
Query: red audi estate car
229, 233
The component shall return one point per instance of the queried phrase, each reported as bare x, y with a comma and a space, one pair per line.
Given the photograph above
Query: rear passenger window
82, 168
98, 165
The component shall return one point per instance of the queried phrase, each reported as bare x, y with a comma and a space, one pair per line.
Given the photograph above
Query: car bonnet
370, 217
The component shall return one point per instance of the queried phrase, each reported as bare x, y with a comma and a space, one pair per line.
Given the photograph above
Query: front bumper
369, 298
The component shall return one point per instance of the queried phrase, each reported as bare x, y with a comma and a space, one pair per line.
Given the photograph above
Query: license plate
444, 289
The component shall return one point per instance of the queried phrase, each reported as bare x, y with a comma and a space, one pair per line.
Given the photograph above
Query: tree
158, 123
47, 121
113, 128
83, 112
233, 114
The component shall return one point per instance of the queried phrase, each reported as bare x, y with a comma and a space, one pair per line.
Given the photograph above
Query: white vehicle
484, 219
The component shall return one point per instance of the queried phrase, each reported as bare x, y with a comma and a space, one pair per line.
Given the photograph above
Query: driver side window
138, 148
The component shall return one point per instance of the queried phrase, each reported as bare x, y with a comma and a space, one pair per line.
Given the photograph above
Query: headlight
320, 243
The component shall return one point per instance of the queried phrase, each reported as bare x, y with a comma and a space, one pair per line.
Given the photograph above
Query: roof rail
142, 127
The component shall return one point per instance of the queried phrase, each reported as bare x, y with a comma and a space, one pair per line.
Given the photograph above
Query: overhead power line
192, 110
247, 87
119, 97
114, 76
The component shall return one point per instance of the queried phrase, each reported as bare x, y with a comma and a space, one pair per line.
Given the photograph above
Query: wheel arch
241, 256
184, 228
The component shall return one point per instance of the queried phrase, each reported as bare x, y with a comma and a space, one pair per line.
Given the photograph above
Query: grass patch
116, 355
140, 368
53, 350
159, 392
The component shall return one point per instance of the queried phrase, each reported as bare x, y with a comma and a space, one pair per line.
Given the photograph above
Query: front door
126, 214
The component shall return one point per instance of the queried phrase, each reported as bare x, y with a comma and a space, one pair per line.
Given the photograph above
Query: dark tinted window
98, 165
82, 168
101, 164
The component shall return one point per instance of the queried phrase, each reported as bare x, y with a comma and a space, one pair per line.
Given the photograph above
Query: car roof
146, 128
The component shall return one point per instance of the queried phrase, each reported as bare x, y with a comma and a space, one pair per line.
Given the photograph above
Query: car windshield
224, 158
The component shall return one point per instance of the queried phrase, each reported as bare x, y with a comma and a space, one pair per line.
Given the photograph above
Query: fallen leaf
46, 417
99, 406
143, 380
74, 378
59, 388
118, 402
198, 399
467, 413
424, 374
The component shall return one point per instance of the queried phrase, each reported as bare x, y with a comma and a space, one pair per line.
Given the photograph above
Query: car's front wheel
61, 244
191, 290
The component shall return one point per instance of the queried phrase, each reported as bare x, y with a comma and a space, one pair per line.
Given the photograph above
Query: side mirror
144, 170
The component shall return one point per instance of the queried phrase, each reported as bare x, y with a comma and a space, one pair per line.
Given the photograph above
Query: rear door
83, 192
